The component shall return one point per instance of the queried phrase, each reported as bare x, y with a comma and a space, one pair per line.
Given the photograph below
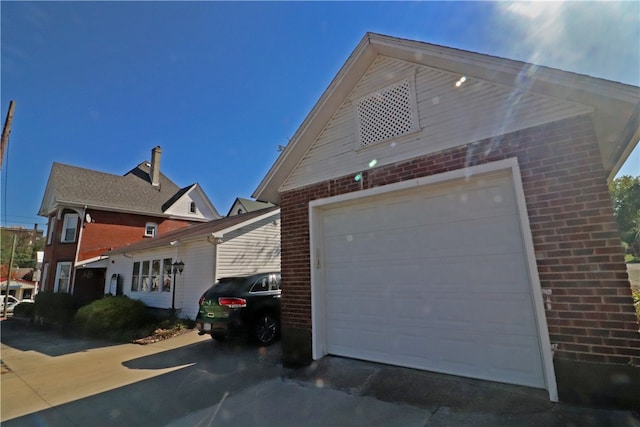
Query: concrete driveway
191, 380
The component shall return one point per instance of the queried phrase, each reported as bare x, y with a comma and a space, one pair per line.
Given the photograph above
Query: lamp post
176, 267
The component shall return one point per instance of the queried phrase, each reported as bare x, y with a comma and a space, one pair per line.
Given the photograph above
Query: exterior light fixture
176, 267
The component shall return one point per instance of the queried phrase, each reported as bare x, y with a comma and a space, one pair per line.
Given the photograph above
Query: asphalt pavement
49, 379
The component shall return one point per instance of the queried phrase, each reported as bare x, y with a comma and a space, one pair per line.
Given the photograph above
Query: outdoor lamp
176, 267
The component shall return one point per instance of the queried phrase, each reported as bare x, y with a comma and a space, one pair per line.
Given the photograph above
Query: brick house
449, 211
91, 212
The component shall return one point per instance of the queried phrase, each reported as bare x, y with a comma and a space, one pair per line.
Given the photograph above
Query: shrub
24, 309
53, 307
112, 316
636, 301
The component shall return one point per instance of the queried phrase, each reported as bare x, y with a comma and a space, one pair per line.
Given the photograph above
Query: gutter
75, 260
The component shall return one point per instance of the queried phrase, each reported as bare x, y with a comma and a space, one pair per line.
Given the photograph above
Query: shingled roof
131, 192
194, 231
250, 205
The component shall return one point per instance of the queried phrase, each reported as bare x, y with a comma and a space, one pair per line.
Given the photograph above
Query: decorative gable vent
387, 113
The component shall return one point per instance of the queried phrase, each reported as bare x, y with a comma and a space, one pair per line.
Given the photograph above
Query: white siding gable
234, 209
250, 249
453, 110
182, 207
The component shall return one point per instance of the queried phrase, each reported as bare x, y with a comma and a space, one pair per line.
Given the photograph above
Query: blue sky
219, 85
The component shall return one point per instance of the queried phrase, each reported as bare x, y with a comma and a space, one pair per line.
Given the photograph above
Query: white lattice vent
386, 113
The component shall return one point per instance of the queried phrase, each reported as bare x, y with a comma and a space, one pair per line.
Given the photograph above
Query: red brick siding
579, 255
106, 231
109, 230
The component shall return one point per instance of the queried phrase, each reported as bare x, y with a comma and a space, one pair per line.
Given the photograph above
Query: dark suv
235, 305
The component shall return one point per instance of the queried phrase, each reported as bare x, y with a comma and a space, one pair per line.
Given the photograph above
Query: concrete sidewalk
346, 392
190, 380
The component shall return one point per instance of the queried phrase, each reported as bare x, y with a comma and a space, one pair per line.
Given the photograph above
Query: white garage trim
319, 287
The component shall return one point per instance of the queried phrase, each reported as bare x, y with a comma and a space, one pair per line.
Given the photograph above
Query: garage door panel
445, 208
433, 278
459, 274
425, 319
479, 237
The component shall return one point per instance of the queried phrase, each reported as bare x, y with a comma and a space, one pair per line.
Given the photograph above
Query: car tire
219, 337
266, 329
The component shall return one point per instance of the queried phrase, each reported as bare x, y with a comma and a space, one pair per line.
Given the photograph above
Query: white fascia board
208, 216
95, 262
221, 233
73, 204
426, 54
208, 202
348, 76
628, 141
574, 87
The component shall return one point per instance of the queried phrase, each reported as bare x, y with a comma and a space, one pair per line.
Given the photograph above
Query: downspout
75, 261
215, 240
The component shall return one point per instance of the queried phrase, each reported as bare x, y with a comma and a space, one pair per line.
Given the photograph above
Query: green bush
636, 301
25, 309
112, 317
53, 307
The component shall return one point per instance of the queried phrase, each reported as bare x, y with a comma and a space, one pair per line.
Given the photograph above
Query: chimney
154, 173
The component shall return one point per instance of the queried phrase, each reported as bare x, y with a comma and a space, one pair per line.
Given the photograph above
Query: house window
192, 207
239, 211
166, 268
63, 277
150, 229
69, 228
387, 113
50, 227
144, 287
156, 275
151, 276
135, 277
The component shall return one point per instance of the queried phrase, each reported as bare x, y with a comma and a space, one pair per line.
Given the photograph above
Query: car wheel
219, 337
266, 329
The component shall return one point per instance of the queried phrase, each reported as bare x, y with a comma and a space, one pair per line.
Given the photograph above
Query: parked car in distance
238, 305
12, 302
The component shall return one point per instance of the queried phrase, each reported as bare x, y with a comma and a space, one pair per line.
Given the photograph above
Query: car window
261, 285
274, 282
229, 285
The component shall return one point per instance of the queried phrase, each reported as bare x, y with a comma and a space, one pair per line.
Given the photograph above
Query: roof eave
612, 102
346, 78
185, 235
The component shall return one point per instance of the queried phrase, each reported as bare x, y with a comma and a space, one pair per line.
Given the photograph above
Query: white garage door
433, 278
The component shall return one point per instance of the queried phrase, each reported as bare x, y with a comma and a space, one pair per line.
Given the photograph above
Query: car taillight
201, 300
232, 302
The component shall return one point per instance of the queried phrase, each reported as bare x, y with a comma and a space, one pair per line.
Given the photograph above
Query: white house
233, 246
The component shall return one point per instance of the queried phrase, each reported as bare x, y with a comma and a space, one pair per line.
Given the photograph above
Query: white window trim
193, 208
56, 285
65, 225
161, 276
45, 275
316, 207
51, 226
155, 229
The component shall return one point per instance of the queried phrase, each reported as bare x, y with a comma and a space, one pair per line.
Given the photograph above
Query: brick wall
109, 230
579, 255
106, 231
